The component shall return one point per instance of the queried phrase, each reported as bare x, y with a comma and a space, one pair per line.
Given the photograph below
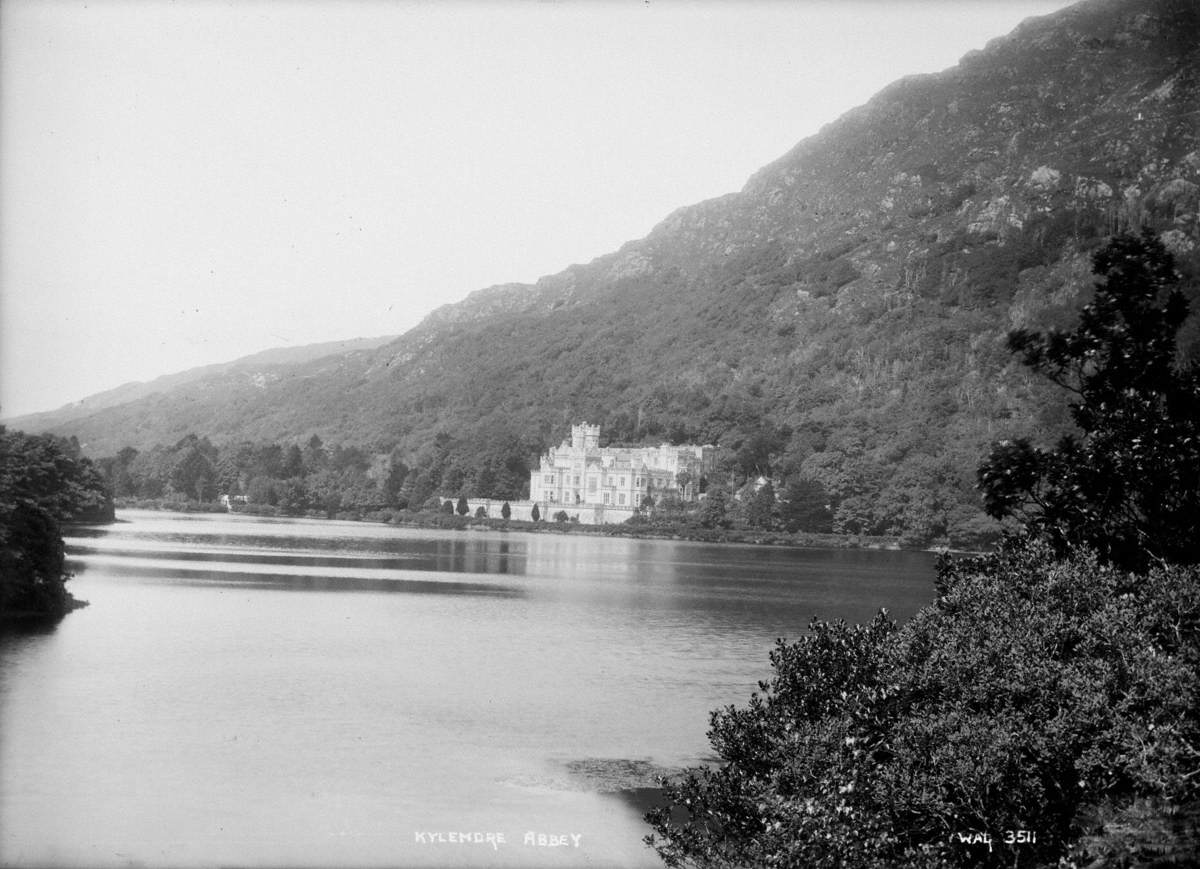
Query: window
608, 497
547, 478
576, 479
591, 484
622, 482
621, 498
639, 482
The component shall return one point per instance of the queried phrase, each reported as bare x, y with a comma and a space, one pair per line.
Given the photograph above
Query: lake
318, 693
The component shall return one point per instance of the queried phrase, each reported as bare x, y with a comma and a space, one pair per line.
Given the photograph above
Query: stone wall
587, 514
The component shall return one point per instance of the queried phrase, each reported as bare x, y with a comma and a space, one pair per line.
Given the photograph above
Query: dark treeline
299, 478
316, 478
44, 484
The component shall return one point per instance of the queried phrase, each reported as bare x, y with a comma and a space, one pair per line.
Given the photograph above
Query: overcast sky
190, 182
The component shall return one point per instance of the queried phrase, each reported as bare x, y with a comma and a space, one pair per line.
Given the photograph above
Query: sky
188, 182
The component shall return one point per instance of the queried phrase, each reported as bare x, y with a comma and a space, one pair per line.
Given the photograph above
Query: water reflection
659, 585
725, 587
354, 547
195, 715
446, 556
230, 576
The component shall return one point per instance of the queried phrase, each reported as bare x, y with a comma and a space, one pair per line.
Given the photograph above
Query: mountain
841, 319
258, 368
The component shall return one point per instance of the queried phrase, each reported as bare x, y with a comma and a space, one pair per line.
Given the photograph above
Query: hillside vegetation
839, 322
1045, 709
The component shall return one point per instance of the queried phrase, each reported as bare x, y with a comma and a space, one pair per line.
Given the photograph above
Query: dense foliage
44, 482
318, 479
1129, 486
1058, 697
1046, 707
293, 479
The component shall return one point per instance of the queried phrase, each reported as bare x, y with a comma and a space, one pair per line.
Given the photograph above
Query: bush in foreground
1061, 698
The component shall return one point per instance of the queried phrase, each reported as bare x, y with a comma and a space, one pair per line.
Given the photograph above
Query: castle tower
585, 437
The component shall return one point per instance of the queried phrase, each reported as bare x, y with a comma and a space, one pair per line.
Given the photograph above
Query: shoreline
36, 620
726, 536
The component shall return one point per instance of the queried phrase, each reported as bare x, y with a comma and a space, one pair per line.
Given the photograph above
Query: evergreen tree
1129, 484
713, 511
535, 514
463, 507
505, 511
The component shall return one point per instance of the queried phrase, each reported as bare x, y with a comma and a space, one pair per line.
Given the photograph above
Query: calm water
291, 692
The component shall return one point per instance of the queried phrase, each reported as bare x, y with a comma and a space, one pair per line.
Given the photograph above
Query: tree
228, 471
713, 510
193, 473
393, 485
480, 512
561, 517
116, 472
535, 514
293, 462
292, 496
314, 457
753, 456
1129, 483
44, 482
505, 510
760, 507
32, 561
260, 490
485, 482
448, 508
805, 506
463, 507
324, 489
422, 487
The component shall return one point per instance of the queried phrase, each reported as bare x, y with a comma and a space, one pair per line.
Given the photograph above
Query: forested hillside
839, 322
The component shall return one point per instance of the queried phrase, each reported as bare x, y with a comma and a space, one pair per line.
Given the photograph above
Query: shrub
1054, 697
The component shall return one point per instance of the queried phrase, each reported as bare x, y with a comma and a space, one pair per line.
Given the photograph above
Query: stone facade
608, 484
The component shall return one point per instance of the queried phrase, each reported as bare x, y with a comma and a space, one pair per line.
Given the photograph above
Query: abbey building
607, 484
